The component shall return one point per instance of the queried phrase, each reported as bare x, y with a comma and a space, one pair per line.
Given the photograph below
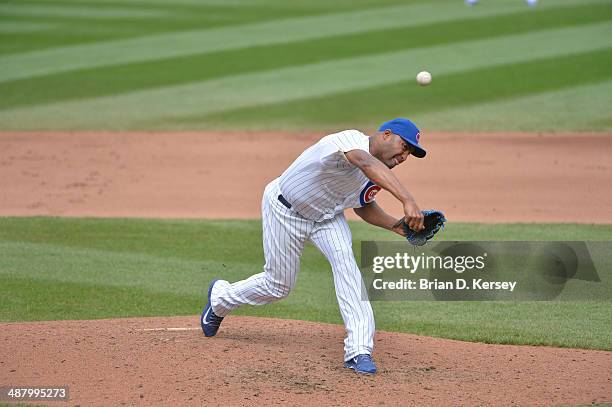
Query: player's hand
414, 217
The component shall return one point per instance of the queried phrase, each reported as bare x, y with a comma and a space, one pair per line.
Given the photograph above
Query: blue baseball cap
408, 131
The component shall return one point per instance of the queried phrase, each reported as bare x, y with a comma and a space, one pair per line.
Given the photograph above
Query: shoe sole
360, 371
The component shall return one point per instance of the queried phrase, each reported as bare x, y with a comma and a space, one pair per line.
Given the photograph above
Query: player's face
397, 151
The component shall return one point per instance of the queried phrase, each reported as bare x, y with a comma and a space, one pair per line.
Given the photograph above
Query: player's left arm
375, 215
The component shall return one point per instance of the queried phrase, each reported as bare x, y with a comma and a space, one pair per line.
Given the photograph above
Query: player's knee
278, 290
279, 295
342, 257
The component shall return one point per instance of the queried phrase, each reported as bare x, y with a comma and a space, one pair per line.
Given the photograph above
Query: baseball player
307, 202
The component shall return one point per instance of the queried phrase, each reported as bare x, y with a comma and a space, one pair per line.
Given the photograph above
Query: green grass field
53, 268
269, 64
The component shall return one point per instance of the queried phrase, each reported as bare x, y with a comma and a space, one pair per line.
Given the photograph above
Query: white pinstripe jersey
321, 182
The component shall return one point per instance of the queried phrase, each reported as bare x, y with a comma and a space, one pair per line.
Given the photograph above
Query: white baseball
423, 78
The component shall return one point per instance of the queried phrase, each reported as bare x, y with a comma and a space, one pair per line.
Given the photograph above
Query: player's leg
333, 238
284, 234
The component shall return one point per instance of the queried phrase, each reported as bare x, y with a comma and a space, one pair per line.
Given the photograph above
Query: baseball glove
433, 222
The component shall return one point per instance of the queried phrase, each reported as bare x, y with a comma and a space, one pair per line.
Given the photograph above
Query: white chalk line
170, 329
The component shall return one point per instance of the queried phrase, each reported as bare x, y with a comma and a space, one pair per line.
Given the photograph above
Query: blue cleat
209, 321
361, 364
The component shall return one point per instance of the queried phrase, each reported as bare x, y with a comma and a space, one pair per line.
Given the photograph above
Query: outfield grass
54, 268
175, 65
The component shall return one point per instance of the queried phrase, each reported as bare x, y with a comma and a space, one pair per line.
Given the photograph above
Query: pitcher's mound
259, 361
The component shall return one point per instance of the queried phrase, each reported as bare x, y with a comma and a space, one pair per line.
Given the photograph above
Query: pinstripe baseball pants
284, 235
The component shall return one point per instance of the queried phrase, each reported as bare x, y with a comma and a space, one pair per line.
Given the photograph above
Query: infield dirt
482, 177
258, 361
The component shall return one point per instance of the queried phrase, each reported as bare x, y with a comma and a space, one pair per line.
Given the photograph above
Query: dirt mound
487, 177
257, 361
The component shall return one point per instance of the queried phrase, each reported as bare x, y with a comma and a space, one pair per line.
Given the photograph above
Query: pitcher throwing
307, 202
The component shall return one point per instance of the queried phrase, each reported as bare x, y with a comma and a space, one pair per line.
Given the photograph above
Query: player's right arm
381, 175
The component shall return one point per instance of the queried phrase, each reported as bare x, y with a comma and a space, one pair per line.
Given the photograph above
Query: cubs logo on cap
408, 131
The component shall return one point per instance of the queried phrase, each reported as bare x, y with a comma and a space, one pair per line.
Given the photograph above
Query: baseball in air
423, 78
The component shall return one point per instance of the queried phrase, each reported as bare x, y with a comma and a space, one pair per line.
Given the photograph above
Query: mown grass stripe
45, 299
124, 78
140, 109
517, 114
12, 27
463, 91
78, 31
145, 236
90, 266
172, 19
74, 11
155, 47
266, 4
